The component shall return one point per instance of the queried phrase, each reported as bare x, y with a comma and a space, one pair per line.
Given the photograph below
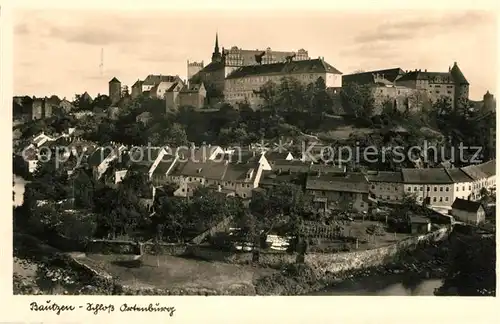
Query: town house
433, 186
462, 183
468, 211
239, 178
386, 186
333, 190
483, 175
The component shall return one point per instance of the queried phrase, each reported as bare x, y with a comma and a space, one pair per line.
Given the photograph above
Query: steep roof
114, 80
474, 172
458, 176
368, 77
193, 88
290, 166
137, 83
385, 176
430, 76
247, 57
466, 205
306, 66
349, 182
327, 168
488, 168
153, 79
457, 74
162, 167
426, 176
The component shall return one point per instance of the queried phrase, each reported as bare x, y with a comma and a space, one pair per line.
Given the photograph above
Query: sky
58, 51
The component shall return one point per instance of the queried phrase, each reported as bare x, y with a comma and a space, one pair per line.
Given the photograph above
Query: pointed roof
114, 80
466, 205
457, 74
216, 48
282, 68
137, 83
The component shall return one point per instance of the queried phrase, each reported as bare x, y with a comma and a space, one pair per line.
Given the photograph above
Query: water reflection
18, 190
389, 285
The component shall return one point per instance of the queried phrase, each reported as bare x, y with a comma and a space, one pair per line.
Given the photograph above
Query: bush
375, 229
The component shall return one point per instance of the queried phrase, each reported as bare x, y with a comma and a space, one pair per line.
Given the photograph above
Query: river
18, 190
382, 285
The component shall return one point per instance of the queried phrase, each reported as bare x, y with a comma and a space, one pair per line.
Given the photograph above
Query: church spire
216, 48
216, 55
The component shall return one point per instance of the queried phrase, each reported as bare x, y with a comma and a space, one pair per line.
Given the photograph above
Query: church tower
216, 55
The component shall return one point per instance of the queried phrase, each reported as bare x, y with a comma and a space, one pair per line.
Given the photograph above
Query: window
189, 179
373, 186
435, 189
428, 188
463, 188
415, 189
447, 189
440, 198
458, 188
244, 195
361, 205
434, 199
419, 198
440, 188
183, 190
446, 198
469, 187
421, 188
409, 188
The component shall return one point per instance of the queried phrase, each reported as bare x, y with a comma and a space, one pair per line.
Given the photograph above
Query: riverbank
172, 278
429, 262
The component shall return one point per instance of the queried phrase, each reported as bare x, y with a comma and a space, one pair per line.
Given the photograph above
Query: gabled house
277, 156
172, 96
101, 159
194, 95
468, 211
331, 190
432, 186
240, 178
386, 186
483, 175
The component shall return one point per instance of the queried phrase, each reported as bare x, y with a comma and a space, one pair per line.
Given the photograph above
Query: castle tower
461, 83
193, 68
115, 90
216, 55
489, 102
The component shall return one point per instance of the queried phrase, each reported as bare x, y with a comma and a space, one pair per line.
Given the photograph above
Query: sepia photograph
254, 153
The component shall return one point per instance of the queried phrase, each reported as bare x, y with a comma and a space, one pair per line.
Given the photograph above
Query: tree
278, 205
101, 101
472, 264
82, 102
358, 99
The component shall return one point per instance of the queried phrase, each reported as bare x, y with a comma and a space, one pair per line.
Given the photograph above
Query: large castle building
398, 85
225, 61
244, 83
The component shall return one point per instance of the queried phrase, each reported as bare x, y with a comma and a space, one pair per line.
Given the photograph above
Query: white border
227, 309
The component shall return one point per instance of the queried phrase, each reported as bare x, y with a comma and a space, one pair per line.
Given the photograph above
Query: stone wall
211, 254
220, 227
277, 259
333, 263
321, 262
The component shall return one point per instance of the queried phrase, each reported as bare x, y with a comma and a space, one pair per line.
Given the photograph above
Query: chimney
425, 70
